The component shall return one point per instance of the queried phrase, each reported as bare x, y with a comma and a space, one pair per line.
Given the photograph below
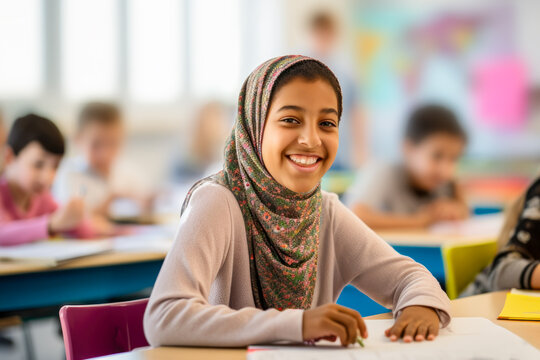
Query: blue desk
429, 256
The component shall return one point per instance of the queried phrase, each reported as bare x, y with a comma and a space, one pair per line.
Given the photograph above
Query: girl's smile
306, 163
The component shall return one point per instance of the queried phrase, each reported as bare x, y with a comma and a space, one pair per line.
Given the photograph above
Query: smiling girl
262, 254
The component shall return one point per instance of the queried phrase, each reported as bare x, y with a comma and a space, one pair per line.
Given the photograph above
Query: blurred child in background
95, 174
28, 212
422, 188
517, 263
198, 153
204, 155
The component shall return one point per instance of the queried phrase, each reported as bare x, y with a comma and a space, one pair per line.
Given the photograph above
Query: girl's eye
328, 124
290, 121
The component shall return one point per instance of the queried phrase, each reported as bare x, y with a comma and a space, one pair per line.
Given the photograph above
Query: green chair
462, 262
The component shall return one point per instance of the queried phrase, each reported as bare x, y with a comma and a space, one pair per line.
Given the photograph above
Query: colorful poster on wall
500, 93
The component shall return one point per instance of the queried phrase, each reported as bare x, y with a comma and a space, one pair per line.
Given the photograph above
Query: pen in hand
359, 339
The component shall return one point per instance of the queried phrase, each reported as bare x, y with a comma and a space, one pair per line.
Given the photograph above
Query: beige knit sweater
202, 296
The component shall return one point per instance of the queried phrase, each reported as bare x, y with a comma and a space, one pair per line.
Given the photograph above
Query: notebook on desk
476, 229
143, 242
54, 252
143, 239
521, 305
487, 226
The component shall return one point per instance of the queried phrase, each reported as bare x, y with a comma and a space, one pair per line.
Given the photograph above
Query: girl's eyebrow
291, 107
301, 109
329, 111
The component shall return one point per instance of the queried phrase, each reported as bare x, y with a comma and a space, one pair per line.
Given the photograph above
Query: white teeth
304, 160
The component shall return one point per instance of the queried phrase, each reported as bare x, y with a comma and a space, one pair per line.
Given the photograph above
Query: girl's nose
309, 137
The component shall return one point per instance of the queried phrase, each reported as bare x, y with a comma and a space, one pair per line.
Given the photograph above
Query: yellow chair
462, 262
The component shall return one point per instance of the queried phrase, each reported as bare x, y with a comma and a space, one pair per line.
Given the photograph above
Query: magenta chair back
103, 329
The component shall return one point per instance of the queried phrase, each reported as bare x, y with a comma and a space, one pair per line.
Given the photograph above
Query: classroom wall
269, 28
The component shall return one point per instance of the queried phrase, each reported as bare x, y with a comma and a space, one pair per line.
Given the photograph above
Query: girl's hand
331, 321
415, 322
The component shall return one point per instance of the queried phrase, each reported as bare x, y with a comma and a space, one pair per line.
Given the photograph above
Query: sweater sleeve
511, 271
179, 312
19, 232
22, 231
375, 268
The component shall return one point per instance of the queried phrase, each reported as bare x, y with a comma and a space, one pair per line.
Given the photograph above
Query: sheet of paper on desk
487, 226
142, 242
464, 339
155, 238
525, 292
53, 252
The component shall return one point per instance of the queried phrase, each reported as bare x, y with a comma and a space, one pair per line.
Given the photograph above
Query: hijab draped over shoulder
282, 226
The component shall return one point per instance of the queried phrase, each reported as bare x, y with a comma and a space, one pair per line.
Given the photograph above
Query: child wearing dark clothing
516, 264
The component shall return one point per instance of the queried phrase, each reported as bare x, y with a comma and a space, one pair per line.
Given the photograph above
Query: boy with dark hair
28, 212
421, 189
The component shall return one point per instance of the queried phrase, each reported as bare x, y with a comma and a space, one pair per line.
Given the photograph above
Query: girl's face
300, 138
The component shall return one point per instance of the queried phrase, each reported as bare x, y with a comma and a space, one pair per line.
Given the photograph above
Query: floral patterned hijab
282, 226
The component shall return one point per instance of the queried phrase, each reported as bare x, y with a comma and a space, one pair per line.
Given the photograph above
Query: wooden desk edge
104, 259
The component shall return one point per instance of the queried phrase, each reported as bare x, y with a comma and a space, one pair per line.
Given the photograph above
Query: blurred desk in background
130, 265
93, 278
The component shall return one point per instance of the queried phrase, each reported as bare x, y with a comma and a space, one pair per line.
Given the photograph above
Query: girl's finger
360, 321
349, 323
421, 332
410, 331
396, 330
433, 331
336, 329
